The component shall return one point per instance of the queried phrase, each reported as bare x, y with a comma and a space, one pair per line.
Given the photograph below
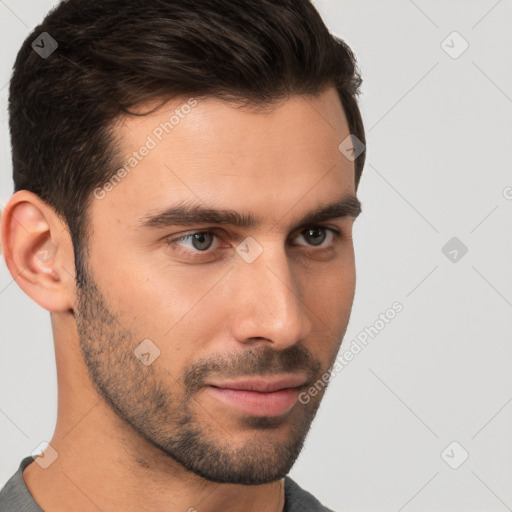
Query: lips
260, 384
258, 396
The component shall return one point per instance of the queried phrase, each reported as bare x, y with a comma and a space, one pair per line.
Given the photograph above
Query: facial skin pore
157, 437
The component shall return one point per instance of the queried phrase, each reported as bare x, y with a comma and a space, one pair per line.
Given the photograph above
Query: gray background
438, 166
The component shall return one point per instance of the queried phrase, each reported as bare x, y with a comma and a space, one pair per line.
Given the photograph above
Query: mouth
258, 396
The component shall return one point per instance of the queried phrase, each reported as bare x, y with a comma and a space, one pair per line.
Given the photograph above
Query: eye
198, 242
316, 235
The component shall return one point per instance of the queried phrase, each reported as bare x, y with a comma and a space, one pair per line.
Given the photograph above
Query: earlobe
36, 251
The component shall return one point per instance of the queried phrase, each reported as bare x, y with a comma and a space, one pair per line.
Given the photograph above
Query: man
185, 191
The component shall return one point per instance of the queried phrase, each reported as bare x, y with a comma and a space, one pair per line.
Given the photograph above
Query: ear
38, 251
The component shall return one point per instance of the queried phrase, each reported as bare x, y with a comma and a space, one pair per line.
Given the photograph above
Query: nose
269, 302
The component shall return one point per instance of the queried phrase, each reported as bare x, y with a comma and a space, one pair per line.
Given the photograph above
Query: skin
122, 426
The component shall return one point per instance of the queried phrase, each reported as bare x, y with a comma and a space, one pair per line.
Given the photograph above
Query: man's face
238, 319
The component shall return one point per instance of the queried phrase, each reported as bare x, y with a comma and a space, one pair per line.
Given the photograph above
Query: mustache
259, 361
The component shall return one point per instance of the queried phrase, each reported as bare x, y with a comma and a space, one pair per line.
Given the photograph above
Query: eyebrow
190, 213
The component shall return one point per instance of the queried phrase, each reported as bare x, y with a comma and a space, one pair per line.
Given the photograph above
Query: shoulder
15, 496
299, 500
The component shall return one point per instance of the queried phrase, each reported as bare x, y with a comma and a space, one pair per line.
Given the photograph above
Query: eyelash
197, 254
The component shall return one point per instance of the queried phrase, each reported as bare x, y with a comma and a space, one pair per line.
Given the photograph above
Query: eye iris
200, 239
316, 240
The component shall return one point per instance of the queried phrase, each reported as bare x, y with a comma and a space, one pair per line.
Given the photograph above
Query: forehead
207, 150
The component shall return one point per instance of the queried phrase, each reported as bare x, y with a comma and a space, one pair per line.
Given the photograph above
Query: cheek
329, 287
171, 305
179, 307
328, 294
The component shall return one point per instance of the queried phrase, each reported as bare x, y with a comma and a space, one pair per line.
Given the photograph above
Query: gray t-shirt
15, 496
